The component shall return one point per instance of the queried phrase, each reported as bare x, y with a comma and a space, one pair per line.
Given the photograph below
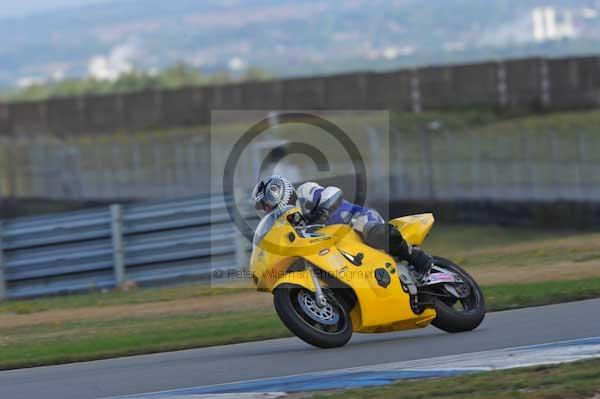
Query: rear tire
451, 320
305, 326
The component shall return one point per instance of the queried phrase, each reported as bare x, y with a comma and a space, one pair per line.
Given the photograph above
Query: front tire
329, 327
472, 312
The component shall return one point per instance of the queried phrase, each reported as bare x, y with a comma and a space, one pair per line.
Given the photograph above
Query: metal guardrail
148, 243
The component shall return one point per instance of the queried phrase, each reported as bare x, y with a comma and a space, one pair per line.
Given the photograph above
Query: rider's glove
319, 215
360, 223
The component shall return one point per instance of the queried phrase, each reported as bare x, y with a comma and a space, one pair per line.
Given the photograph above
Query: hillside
287, 37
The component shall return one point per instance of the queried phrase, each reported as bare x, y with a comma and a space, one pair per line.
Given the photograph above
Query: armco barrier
148, 243
177, 241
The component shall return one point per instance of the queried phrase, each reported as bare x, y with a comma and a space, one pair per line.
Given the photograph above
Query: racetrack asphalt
281, 357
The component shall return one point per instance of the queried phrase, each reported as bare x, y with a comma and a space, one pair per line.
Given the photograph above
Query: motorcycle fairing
378, 308
414, 228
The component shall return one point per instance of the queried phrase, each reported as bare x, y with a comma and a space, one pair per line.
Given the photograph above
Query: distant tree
181, 75
134, 81
254, 73
220, 77
178, 75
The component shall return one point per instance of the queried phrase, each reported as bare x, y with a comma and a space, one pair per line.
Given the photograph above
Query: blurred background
116, 114
492, 120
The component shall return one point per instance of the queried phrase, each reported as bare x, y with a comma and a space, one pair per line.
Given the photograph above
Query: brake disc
325, 315
460, 290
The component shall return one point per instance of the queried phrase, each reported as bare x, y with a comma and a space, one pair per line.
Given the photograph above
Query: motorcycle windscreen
267, 223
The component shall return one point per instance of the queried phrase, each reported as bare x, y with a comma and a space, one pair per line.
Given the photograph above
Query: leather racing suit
326, 205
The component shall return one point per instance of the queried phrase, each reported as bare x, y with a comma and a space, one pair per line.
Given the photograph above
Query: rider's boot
422, 262
415, 256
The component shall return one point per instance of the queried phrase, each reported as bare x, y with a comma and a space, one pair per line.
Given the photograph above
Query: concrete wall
523, 84
574, 82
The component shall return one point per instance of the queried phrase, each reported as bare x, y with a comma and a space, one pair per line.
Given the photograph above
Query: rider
327, 206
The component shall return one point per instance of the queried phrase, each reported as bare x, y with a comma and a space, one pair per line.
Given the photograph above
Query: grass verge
572, 380
112, 298
91, 340
64, 342
515, 296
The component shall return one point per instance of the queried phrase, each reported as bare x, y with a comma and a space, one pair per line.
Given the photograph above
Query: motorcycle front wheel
324, 327
458, 314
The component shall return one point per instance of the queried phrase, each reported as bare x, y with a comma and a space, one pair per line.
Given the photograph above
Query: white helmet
272, 192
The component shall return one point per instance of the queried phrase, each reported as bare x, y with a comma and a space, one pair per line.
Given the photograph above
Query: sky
20, 8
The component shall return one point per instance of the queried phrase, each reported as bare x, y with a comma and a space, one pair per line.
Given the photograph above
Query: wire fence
121, 167
517, 166
539, 165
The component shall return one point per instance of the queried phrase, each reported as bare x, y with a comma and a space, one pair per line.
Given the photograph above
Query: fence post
116, 224
475, 165
137, 168
415, 91
545, 84
581, 164
531, 187
159, 171
75, 166
502, 85
428, 172
180, 181
241, 255
377, 162
3, 290
11, 168
115, 160
557, 166
451, 186
398, 177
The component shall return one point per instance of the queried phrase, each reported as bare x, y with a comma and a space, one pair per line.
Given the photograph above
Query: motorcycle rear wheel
472, 308
329, 327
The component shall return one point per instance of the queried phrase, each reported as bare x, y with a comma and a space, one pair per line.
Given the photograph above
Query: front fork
319, 296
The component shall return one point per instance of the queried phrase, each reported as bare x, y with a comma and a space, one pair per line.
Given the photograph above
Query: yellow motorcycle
327, 282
